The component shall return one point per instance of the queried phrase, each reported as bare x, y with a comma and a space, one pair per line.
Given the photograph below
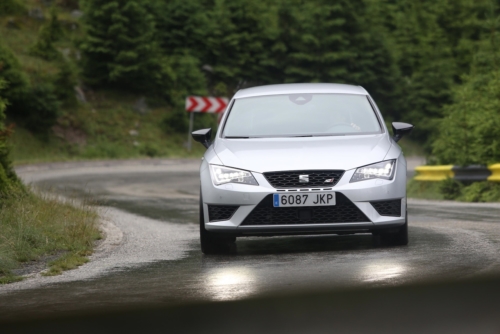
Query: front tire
211, 243
398, 238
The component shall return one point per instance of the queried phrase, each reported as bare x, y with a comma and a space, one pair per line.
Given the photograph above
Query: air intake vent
343, 212
221, 212
304, 178
388, 208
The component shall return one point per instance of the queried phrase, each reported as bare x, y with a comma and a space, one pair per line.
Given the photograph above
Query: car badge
329, 181
303, 178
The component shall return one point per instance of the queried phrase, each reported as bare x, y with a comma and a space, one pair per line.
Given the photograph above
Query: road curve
152, 252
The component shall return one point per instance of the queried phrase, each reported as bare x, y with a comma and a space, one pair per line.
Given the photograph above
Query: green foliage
345, 47
433, 43
239, 42
185, 28
104, 149
470, 131
49, 33
12, 74
453, 190
120, 47
36, 106
40, 110
3, 104
450, 188
481, 192
65, 82
185, 78
423, 190
176, 121
9, 7
150, 150
8, 178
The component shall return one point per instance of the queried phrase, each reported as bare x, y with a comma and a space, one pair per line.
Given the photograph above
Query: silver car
302, 159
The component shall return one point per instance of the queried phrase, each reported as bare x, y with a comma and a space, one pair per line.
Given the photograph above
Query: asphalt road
150, 211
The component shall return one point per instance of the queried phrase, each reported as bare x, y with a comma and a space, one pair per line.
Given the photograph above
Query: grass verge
33, 225
107, 128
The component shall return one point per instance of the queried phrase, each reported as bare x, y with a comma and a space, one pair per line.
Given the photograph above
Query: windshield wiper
235, 137
302, 136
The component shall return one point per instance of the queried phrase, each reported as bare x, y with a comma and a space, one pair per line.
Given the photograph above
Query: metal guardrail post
495, 173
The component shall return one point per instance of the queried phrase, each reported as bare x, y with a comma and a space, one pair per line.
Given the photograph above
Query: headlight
380, 170
221, 175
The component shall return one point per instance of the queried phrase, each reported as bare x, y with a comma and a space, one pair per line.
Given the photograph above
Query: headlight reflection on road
382, 271
230, 283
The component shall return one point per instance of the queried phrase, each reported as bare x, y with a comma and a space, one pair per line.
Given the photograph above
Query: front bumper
247, 197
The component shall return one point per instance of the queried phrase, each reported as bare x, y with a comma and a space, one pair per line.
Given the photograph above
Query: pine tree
338, 42
11, 73
238, 45
120, 46
183, 26
49, 33
433, 43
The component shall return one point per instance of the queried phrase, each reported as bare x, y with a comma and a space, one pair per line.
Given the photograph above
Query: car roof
298, 88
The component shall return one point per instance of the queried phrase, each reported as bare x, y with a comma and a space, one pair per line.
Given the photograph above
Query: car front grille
343, 212
221, 212
388, 208
316, 178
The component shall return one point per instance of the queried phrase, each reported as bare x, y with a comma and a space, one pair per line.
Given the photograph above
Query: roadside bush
151, 150
36, 107
40, 109
470, 132
450, 188
481, 192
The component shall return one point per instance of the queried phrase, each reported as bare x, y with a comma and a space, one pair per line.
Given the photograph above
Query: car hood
278, 154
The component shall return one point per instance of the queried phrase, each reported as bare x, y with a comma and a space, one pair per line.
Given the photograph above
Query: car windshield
298, 115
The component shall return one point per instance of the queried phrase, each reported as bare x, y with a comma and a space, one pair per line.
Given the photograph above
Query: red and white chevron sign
206, 104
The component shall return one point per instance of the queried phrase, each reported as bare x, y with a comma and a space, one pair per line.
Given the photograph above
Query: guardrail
472, 173
434, 173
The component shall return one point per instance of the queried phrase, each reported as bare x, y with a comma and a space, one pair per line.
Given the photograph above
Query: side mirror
203, 136
400, 129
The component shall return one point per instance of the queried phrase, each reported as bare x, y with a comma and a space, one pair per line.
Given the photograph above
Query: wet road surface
447, 241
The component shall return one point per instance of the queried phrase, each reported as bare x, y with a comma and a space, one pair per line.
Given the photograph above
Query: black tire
397, 238
211, 243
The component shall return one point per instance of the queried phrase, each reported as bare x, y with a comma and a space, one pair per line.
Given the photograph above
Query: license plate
303, 199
